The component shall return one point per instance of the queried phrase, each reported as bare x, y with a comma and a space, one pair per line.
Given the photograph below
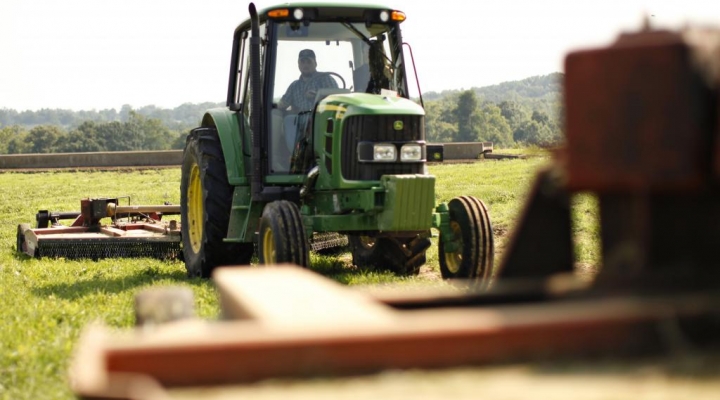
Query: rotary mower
132, 231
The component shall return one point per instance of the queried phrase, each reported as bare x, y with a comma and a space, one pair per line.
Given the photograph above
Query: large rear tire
401, 255
473, 239
282, 235
205, 202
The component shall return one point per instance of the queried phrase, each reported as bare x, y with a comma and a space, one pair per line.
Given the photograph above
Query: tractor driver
300, 95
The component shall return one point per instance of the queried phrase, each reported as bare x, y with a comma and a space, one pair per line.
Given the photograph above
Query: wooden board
277, 342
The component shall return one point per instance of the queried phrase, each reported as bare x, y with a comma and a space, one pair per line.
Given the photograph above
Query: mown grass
46, 302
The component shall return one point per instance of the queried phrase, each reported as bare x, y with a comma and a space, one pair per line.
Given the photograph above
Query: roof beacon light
281, 13
298, 14
384, 16
398, 16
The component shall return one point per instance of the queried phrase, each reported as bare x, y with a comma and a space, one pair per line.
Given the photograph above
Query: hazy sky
97, 54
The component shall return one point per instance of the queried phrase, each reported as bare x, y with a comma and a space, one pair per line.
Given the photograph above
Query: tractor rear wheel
402, 255
282, 235
206, 199
472, 239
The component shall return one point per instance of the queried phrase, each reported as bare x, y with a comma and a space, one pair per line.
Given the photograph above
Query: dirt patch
429, 273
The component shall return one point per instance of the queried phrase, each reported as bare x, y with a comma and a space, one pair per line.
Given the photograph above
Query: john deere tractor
260, 176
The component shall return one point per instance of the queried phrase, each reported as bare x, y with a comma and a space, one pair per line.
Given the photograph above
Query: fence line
452, 151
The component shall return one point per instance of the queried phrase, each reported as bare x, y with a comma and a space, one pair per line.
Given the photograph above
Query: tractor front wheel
282, 236
402, 255
469, 252
205, 202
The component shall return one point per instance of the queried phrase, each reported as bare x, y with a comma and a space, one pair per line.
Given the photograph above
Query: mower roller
134, 231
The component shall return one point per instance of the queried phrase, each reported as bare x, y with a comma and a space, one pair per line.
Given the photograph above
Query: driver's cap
307, 53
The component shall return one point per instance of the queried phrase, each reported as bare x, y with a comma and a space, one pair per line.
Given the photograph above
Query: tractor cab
305, 55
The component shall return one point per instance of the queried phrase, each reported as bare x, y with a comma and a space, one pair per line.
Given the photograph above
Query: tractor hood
349, 104
348, 125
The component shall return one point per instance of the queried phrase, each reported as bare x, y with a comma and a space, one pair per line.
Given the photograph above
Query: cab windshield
346, 56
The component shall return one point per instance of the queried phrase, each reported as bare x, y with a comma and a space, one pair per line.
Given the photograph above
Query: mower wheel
402, 255
21, 229
472, 239
206, 199
282, 235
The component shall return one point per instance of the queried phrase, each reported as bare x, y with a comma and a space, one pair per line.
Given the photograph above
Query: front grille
378, 128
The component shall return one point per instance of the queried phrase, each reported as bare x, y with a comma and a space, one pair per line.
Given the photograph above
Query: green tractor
269, 174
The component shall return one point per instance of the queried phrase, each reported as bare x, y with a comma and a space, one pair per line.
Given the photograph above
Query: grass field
48, 302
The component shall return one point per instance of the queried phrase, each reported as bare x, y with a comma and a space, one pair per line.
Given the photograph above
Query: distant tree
560, 122
19, 144
154, 135
540, 117
439, 121
179, 142
514, 113
44, 138
8, 117
83, 139
108, 115
534, 133
124, 114
466, 115
7, 134
494, 127
114, 137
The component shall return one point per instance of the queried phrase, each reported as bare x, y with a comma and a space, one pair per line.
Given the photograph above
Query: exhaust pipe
255, 119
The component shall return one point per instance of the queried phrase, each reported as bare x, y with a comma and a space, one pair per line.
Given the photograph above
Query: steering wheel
339, 77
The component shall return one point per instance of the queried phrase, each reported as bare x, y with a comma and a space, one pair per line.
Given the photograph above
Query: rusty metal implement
132, 231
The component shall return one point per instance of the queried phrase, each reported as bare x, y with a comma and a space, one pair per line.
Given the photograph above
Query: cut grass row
48, 302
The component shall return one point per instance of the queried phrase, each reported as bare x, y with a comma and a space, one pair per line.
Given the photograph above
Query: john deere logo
398, 125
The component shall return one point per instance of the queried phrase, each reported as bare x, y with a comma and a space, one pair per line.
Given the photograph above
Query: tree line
519, 113
510, 114
137, 133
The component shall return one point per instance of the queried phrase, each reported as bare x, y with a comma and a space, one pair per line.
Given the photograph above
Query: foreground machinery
259, 175
643, 123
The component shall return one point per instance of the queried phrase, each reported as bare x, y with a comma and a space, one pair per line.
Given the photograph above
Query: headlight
411, 152
384, 152
298, 14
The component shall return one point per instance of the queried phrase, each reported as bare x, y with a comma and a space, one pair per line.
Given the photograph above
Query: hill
544, 87
524, 112
535, 93
182, 117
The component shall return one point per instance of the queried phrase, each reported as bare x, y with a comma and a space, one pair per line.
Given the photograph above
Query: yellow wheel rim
454, 260
195, 209
268, 241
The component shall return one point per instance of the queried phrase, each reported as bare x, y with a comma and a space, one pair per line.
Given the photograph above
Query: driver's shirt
298, 96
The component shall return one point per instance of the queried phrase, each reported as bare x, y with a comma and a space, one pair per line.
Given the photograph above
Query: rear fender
235, 145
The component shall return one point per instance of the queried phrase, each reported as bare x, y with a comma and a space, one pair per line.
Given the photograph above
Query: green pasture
46, 303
